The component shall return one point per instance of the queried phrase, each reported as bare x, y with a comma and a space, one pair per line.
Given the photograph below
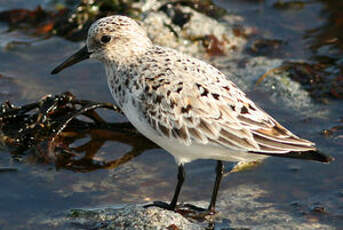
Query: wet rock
319, 210
336, 131
131, 217
246, 71
289, 5
266, 47
195, 35
176, 14
239, 208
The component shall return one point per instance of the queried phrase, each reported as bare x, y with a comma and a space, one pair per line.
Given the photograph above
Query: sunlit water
37, 189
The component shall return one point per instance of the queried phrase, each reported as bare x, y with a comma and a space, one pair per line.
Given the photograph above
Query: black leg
219, 175
180, 180
172, 205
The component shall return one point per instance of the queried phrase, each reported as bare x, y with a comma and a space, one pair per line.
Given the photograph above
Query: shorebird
183, 104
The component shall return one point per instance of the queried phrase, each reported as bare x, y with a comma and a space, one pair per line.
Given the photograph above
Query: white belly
184, 153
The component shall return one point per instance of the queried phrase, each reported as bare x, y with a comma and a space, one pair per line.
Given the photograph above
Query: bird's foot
192, 207
194, 212
160, 204
186, 210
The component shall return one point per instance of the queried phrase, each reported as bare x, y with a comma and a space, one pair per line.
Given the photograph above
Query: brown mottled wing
195, 107
194, 113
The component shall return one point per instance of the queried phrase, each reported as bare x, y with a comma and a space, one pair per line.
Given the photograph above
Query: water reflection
69, 157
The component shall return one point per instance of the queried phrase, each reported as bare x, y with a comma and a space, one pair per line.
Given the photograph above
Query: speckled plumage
185, 105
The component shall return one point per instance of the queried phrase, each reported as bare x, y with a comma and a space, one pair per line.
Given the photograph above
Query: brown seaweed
50, 126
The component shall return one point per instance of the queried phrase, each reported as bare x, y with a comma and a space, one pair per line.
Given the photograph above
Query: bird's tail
314, 155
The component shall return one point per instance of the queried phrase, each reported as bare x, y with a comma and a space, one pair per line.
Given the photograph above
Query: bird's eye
105, 39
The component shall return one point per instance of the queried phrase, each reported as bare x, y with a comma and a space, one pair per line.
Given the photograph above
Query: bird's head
111, 39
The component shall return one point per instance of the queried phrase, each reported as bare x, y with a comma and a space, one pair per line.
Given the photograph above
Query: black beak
77, 57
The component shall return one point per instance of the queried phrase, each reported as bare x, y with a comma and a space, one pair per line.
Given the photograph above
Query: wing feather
200, 108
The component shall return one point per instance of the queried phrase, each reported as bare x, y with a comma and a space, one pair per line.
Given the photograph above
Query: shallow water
37, 189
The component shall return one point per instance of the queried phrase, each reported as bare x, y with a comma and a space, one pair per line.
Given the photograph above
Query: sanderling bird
184, 105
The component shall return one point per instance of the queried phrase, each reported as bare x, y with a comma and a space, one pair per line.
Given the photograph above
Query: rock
239, 208
189, 38
133, 217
